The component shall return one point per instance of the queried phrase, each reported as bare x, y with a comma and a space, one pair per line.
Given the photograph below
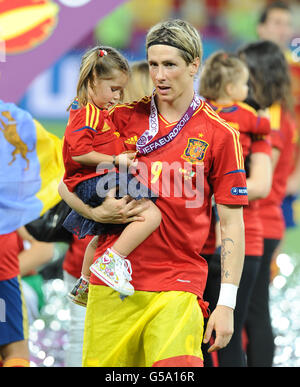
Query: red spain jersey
294, 66
89, 129
206, 155
283, 137
245, 119
12, 245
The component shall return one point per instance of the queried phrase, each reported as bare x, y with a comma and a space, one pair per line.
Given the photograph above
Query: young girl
224, 83
91, 141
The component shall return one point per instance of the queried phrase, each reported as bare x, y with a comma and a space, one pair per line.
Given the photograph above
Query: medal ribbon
145, 144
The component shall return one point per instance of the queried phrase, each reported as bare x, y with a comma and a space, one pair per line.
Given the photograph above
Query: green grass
291, 243
56, 127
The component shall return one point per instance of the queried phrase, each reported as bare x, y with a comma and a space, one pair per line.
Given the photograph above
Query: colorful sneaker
114, 271
79, 294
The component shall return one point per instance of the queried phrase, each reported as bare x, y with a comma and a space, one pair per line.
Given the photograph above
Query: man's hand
119, 211
220, 321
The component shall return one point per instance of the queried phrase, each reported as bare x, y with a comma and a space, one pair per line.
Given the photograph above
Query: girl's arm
95, 158
260, 180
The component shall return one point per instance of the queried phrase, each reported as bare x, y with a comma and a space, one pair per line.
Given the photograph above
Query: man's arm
232, 261
112, 210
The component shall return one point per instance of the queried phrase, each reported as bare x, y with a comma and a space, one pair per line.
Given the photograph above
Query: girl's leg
88, 258
112, 267
79, 293
126, 243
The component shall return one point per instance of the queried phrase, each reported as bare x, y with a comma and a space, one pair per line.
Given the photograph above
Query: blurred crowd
222, 23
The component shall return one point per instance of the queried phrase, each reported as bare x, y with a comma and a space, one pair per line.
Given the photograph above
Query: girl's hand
263, 113
125, 159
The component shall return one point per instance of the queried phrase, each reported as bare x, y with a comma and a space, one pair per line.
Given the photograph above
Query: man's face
171, 75
277, 27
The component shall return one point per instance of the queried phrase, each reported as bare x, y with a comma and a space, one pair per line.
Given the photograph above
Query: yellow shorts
163, 329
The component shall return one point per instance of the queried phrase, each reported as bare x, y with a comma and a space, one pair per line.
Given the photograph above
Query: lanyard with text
145, 144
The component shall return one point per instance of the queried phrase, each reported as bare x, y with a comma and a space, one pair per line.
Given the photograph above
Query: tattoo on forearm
226, 250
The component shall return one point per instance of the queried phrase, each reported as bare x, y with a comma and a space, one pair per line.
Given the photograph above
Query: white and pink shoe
114, 271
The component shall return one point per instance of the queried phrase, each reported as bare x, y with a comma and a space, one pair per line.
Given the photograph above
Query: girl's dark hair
269, 74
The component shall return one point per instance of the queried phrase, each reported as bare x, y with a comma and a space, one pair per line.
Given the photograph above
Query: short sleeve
81, 130
228, 177
262, 126
121, 115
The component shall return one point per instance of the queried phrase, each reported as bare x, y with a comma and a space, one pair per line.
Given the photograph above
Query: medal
145, 144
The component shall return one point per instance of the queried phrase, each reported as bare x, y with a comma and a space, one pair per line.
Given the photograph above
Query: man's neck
174, 110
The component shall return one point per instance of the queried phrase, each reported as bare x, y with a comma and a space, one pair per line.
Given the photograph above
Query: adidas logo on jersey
131, 140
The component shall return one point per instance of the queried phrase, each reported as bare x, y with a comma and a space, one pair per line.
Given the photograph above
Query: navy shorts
94, 191
13, 313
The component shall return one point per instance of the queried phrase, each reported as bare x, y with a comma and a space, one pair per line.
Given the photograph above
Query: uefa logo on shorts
2, 311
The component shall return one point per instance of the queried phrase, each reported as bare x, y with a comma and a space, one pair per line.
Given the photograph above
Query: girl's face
170, 74
238, 91
107, 92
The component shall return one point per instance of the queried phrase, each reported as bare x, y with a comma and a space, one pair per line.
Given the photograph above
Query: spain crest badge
195, 151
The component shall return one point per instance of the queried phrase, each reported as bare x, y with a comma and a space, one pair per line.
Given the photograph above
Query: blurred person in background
139, 84
34, 256
72, 266
14, 351
275, 24
224, 84
31, 167
270, 85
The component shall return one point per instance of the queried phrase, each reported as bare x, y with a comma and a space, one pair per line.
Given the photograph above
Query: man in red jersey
180, 138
